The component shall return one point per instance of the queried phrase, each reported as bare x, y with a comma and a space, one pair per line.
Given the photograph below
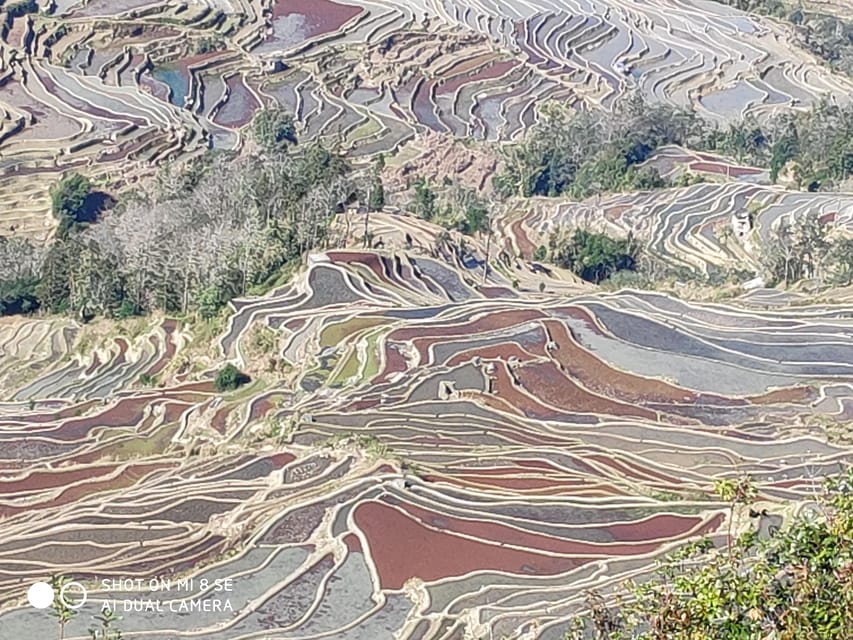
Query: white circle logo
40, 595
72, 605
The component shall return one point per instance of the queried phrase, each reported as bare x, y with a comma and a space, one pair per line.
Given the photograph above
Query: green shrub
69, 195
209, 301
425, 204
594, 256
147, 380
274, 129
19, 296
229, 378
376, 199
793, 584
127, 309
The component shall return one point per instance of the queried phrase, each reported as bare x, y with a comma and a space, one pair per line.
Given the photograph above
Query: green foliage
68, 202
841, 260
425, 204
375, 188
377, 196
786, 147
582, 154
60, 609
797, 248
126, 309
816, 143
795, 584
209, 302
20, 263
745, 141
594, 256
541, 253
222, 226
476, 219
147, 380
105, 630
688, 178
19, 296
229, 378
274, 129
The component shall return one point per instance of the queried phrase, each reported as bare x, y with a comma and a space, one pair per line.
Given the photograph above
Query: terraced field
437, 441
438, 459
370, 73
697, 227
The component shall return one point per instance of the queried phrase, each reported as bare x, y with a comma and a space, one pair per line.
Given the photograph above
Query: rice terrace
426, 319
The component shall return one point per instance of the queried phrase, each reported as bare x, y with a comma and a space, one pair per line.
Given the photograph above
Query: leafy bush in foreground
797, 584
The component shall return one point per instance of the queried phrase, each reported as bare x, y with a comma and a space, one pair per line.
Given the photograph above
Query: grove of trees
189, 242
592, 256
816, 145
802, 247
579, 153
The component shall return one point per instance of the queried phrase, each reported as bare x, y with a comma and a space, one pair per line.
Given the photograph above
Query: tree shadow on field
94, 205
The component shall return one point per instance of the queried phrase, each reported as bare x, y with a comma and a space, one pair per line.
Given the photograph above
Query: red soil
604, 379
503, 534
525, 246
791, 394
495, 292
631, 472
323, 16
41, 481
527, 405
723, 169
489, 322
296, 324
394, 361
353, 543
403, 548
129, 476
261, 407
369, 260
662, 526
127, 412
96, 362
495, 70
220, 419
499, 352
553, 387
281, 459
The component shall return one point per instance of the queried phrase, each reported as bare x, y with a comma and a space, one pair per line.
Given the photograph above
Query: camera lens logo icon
41, 595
